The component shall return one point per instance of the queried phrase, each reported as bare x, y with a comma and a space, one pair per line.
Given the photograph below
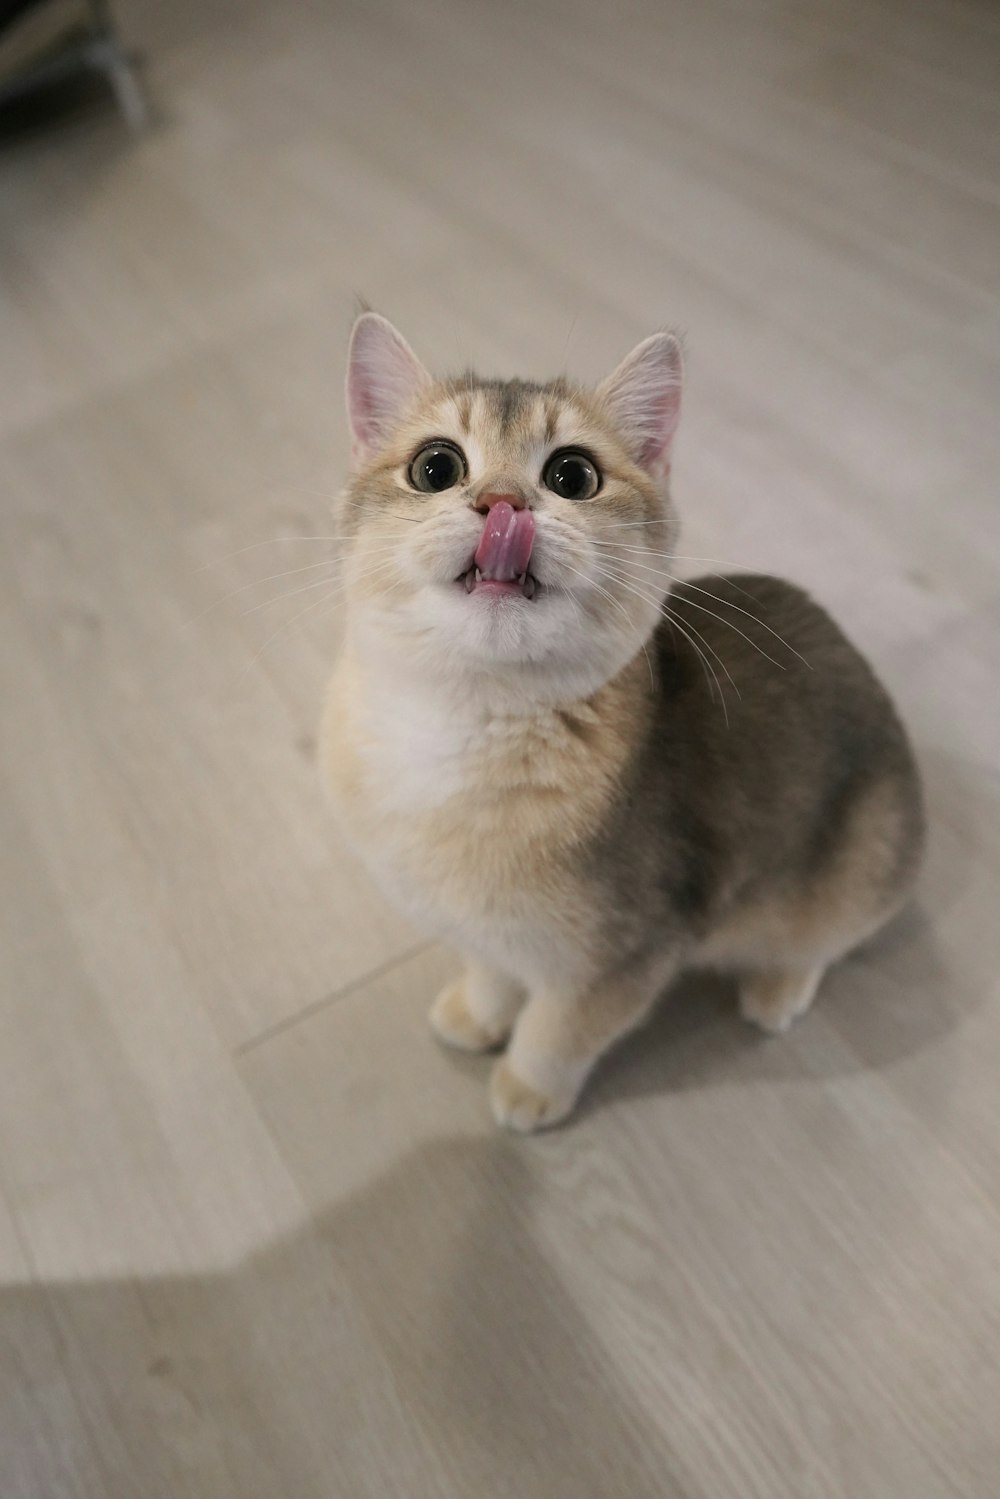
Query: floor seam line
317, 1005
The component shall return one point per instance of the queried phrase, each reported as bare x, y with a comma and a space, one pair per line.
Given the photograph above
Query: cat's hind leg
477, 1011
779, 975
781, 948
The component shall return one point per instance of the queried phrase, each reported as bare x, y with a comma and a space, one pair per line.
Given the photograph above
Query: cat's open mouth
473, 580
500, 564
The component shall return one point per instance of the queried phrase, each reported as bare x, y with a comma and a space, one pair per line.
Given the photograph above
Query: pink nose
485, 502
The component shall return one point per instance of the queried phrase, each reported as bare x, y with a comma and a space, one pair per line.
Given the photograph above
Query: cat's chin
539, 650
507, 622
551, 641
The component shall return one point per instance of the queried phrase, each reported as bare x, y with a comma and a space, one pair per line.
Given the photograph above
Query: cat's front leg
477, 1011
560, 1036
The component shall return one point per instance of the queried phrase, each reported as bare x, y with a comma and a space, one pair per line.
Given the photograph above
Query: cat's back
773, 734
762, 623
765, 648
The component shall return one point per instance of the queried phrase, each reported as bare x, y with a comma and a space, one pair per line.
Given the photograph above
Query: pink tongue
508, 536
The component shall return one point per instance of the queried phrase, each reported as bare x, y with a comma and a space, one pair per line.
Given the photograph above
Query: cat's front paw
773, 1000
519, 1106
453, 1024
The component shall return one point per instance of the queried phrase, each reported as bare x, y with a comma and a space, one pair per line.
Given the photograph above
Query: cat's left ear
643, 398
383, 377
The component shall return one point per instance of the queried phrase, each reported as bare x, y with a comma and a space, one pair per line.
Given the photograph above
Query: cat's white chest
466, 818
418, 755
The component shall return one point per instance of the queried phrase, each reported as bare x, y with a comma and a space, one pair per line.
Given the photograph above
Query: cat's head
502, 532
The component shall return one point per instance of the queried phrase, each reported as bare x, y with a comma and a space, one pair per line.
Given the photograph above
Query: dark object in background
47, 42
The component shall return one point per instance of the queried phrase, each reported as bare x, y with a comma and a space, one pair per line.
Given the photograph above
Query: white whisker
622, 610
672, 618
683, 583
647, 551
327, 598
271, 578
629, 583
285, 625
271, 541
611, 525
411, 520
321, 583
386, 550
614, 547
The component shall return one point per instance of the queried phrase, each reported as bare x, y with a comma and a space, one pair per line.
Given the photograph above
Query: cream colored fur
477, 750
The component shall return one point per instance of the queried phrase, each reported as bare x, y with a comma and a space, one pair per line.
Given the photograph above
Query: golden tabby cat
580, 773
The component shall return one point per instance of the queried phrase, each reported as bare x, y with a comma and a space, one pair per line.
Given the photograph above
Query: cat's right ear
643, 398
383, 377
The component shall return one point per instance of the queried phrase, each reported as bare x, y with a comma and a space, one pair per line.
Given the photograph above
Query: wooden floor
258, 1236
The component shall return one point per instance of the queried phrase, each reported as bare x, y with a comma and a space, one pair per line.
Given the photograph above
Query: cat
578, 772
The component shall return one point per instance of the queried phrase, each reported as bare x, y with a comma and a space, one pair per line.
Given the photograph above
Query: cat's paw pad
451, 1022
519, 1106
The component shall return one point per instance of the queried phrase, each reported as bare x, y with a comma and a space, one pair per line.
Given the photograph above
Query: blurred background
257, 1236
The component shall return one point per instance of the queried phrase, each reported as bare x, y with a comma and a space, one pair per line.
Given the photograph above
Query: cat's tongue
508, 536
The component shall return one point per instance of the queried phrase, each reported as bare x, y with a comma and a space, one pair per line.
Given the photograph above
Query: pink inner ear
361, 411
644, 395
664, 417
383, 376
655, 396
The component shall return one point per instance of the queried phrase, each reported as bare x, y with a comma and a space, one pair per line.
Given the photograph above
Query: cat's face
507, 531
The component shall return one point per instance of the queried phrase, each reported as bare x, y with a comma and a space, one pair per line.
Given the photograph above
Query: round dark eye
436, 467
571, 475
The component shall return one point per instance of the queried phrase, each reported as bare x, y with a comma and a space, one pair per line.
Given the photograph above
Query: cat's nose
484, 502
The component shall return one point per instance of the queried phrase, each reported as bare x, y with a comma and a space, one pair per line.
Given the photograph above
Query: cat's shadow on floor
891, 999
869, 1014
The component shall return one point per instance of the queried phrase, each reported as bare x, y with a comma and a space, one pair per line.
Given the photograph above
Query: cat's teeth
475, 575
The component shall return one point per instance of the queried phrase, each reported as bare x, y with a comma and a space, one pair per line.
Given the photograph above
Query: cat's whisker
274, 541
728, 622
656, 520
384, 592
669, 556
287, 573
271, 578
287, 624
672, 620
620, 607
270, 541
727, 578
326, 494
614, 547
663, 609
628, 525
320, 583
669, 613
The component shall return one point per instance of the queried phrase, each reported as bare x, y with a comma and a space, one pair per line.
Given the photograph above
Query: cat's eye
438, 466
572, 475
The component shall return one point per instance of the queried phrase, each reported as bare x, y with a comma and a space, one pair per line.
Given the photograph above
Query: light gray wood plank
171, 1321
256, 1238
747, 1260
199, 734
